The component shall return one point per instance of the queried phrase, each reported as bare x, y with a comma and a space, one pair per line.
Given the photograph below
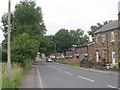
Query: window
112, 36
85, 48
103, 38
104, 41
96, 38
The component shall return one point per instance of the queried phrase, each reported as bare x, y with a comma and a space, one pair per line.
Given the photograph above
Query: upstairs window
96, 38
103, 38
112, 36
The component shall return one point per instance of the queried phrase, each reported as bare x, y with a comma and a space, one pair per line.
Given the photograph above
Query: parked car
49, 60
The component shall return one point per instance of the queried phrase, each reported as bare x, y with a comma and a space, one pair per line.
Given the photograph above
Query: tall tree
28, 18
27, 29
46, 45
79, 37
63, 40
94, 28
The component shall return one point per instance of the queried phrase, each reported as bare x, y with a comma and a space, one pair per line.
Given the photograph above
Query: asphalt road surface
55, 75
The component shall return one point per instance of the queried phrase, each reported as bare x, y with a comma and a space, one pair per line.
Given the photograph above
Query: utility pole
8, 44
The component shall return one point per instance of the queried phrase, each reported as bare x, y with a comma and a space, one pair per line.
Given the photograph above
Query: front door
113, 58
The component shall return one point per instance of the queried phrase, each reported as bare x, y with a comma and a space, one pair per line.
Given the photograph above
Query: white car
49, 60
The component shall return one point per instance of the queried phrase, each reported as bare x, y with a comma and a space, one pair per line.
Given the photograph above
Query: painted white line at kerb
39, 77
68, 73
111, 86
86, 79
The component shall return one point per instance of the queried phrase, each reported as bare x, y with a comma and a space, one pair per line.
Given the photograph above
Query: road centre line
86, 79
111, 86
68, 73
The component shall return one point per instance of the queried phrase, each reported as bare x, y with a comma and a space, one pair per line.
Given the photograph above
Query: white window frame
112, 36
96, 38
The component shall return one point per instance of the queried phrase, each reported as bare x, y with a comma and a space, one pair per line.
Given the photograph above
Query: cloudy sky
70, 14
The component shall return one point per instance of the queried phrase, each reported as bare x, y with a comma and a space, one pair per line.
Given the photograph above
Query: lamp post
8, 44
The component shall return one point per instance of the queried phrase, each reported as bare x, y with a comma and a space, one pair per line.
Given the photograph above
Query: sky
70, 14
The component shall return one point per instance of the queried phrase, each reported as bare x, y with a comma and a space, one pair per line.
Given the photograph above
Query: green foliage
94, 28
46, 45
78, 37
27, 29
23, 48
119, 64
63, 40
17, 74
84, 60
28, 18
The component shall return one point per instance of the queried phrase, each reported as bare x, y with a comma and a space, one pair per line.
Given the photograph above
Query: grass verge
17, 74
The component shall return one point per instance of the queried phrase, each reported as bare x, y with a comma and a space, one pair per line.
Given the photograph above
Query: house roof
110, 26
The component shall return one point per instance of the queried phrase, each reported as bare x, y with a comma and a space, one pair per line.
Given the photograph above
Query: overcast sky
70, 14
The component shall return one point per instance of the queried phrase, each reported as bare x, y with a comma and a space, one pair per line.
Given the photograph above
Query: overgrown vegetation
27, 30
17, 73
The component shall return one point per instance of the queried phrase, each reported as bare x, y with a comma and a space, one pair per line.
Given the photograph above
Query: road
55, 75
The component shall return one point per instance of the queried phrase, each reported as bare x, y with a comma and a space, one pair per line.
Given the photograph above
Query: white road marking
40, 81
111, 86
86, 78
59, 69
68, 73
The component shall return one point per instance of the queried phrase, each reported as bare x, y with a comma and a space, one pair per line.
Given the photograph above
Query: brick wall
91, 51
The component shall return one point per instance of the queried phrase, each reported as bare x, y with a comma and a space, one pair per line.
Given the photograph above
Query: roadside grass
72, 64
17, 74
75, 64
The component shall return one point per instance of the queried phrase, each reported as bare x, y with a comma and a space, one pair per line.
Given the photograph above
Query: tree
63, 41
23, 48
27, 30
79, 37
94, 28
28, 18
46, 45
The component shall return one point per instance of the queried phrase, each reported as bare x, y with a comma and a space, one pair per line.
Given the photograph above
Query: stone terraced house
107, 43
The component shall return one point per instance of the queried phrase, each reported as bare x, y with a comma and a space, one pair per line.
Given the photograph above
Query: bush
23, 48
119, 64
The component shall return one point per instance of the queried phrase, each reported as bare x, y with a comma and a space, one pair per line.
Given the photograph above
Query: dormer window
112, 36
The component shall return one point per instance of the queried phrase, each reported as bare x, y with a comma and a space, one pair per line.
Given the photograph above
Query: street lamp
8, 44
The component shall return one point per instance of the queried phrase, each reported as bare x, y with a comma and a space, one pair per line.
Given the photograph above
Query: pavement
31, 79
55, 75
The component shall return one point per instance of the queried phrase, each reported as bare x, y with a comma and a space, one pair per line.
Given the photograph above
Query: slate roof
110, 26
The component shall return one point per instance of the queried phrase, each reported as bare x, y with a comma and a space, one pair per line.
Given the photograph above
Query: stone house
107, 43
